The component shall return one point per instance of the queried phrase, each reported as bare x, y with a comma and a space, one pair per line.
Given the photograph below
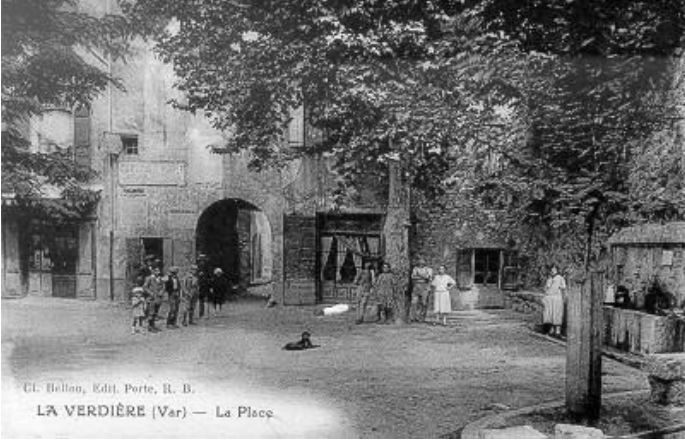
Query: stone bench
666, 374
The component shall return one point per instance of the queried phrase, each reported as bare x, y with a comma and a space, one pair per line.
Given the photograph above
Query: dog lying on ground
271, 302
303, 344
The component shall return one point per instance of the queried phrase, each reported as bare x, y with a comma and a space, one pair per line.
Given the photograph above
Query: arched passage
235, 235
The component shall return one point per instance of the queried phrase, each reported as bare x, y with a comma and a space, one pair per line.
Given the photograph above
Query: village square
356, 219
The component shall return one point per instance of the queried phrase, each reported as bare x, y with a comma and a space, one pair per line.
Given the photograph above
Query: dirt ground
367, 380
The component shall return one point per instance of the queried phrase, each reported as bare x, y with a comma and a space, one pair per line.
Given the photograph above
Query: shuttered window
510, 270
82, 136
465, 268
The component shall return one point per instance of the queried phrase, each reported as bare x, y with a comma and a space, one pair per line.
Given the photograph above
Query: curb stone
631, 360
473, 429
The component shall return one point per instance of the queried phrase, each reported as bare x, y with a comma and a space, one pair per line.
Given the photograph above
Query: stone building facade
483, 262
164, 193
643, 257
642, 254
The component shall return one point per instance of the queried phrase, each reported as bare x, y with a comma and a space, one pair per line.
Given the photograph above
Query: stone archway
236, 236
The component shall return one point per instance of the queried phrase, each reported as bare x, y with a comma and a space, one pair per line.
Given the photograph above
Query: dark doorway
153, 247
63, 243
234, 236
486, 266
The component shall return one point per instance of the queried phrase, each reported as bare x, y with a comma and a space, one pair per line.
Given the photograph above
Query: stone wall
442, 229
163, 190
12, 285
641, 253
639, 332
524, 301
666, 374
434, 232
638, 264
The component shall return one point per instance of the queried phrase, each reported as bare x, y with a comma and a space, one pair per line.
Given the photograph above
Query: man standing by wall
421, 277
154, 289
173, 289
204, 285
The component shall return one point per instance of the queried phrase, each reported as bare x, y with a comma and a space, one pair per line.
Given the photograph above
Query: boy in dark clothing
173, 289
204, 285
220, 288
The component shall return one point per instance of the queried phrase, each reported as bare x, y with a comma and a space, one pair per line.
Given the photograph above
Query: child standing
138, 309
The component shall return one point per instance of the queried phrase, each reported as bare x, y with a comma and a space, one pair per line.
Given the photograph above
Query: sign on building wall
152, 173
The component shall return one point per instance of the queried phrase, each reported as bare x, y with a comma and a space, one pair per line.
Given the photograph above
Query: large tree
533, 107
417, 78
47, 52
592, 110
407, 83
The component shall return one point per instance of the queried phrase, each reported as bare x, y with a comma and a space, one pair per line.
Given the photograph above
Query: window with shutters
510, 270
82, 135
465, 268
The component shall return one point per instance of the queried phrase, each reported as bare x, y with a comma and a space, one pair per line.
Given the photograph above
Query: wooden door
299, 260
64, 255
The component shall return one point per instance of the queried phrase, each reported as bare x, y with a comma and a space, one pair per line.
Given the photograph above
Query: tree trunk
590, 222
396, 236
679, 97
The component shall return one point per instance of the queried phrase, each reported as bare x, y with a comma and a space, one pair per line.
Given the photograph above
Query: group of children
182, 296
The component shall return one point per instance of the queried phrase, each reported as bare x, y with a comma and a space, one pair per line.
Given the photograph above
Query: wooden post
584, 349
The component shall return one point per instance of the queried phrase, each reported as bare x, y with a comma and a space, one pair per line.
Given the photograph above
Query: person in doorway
148, 264
137, 309
442, 302
421, 277
553, 302
220, 286
204, 279
364, 282
154, 289
173, 290
190, 294
384, 293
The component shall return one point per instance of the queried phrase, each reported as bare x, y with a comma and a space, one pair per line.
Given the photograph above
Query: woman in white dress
442, 304
553, 302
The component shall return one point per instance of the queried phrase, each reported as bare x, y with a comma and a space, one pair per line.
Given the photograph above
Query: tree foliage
46, 46
537, 110
411, 80
592, 108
